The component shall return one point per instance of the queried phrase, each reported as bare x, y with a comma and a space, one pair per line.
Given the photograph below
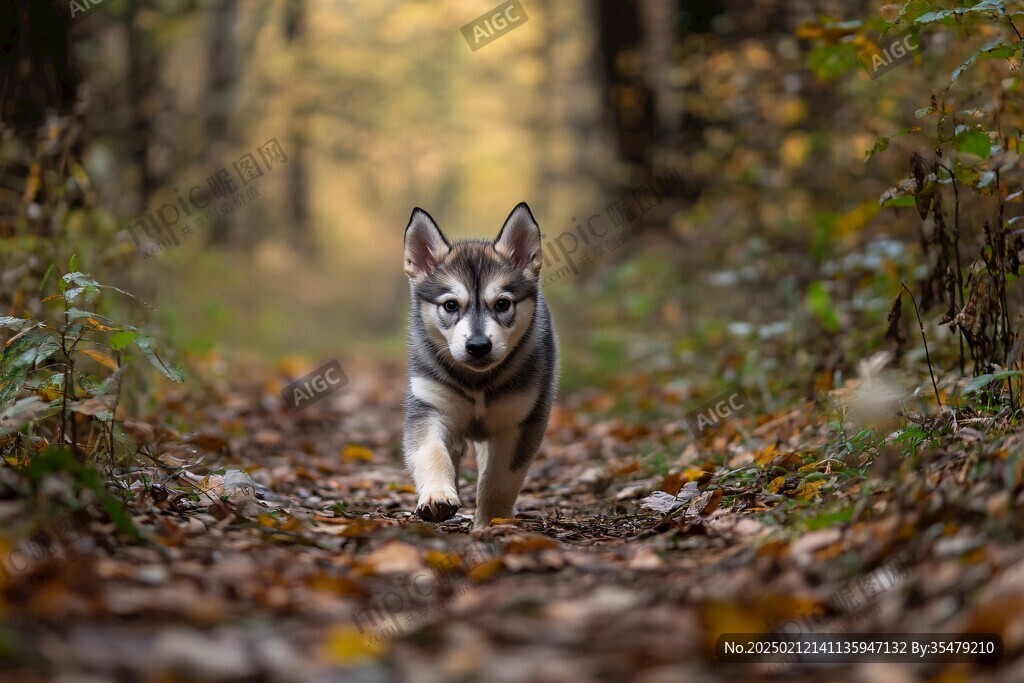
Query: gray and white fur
482, 363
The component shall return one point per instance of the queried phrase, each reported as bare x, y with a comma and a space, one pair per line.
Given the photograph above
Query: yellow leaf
810, 31
765, 456
339, 585
293, 366
693, 474
809, 489
98, 325
5, 556
101, 358
794, 149
402, 488
502, 520
345, 644
776, 484
440, 560
48, 393
731, 617
854, 220
266, 520
354, 452
32, 184
485, 570
793, 111
863, 43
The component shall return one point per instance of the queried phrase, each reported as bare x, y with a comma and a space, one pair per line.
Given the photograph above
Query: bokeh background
771, 245
771, 220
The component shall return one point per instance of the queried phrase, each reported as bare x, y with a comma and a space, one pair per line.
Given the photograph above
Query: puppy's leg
502, 471
480, 448
434, 467
458, 451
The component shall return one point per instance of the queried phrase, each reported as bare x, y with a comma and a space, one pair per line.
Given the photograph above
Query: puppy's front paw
437, 508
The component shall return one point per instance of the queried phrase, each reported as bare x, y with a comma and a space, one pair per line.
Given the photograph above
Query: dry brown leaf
529, 544
101, 358
394, 558
485, 570
706, 503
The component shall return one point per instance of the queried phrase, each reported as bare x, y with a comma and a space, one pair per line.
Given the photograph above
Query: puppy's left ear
519, 240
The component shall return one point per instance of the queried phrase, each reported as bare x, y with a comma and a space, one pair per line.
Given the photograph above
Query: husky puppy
482, 363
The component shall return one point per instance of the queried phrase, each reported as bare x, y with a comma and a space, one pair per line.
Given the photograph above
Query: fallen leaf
438, 559
502, 520
345, 645
804, 547
485, 570
338, 585
706, 503
764, 457
645, 558
529, 544
809, 489
394, 557
666, 503
355, 452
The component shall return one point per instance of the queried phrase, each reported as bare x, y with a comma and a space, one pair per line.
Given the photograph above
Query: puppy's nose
478, 346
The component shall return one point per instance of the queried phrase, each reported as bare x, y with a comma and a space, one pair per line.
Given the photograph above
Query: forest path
279, 545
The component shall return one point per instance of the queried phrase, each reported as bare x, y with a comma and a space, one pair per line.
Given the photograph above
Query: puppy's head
476, 298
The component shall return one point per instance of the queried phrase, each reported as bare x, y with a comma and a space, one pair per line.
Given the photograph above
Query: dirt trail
314, 569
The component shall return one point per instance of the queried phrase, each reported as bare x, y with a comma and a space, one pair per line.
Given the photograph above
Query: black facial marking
431, 289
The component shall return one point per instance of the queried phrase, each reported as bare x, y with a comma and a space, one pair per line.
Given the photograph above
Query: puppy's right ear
425, 245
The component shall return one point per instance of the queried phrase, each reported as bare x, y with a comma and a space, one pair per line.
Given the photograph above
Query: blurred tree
295, 24
143, 70
36, 75
37, 81
223, 71
630, 97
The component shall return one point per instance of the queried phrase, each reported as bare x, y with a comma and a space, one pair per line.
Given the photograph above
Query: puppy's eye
451, 306
502, 305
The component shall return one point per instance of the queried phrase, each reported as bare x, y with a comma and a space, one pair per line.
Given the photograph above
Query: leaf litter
281, 546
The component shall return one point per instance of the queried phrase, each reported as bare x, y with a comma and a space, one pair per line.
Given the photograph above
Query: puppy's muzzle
478, 347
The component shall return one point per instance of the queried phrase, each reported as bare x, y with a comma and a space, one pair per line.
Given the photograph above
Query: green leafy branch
41, 376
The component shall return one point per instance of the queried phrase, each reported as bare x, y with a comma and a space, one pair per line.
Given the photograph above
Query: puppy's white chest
470, 411
506, 411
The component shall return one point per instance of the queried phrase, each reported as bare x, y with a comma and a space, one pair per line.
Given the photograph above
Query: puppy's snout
478, 346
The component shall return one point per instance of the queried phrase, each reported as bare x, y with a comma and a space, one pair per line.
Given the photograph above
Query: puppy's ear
519, 240
425, 245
